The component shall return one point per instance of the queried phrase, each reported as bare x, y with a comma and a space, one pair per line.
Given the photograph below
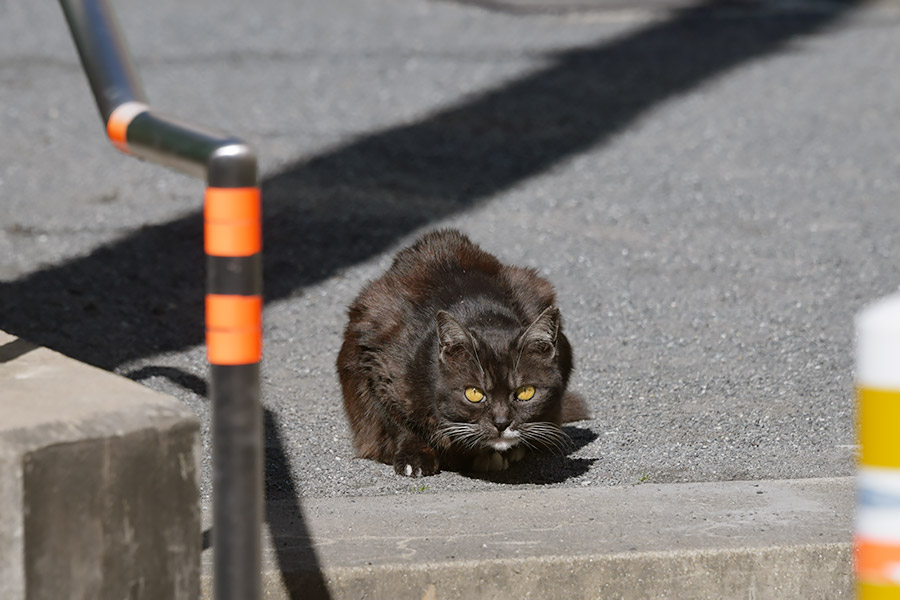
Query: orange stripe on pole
233, 312
232, 221
878, 562
116, 130
233, 329
233, 347
119, 120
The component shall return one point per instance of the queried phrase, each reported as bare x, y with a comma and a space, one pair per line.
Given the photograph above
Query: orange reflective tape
233, 312
239, 347
116, 130
877, 562
232, 240
233, 329
119, 120
232, 221
231, 204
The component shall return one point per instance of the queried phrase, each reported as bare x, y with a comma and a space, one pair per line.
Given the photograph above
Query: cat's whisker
547, 436
477, 440
474, 443
445, 432
528, 444
553, 447
468, 436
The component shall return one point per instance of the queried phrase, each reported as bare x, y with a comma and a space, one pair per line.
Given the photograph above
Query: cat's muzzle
506, 440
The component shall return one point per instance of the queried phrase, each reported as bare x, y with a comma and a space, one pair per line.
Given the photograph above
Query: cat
452, 360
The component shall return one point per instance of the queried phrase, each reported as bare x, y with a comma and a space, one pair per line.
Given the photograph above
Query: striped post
233, 245
877, 536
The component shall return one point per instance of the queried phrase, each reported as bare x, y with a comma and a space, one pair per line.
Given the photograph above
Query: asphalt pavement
713, 193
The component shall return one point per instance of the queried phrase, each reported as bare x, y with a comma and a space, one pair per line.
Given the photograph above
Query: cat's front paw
492, 461
418, 463
515, 454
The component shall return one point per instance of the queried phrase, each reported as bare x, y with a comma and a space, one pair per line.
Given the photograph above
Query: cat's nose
501, 425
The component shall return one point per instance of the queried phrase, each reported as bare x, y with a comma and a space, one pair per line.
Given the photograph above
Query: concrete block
99, 487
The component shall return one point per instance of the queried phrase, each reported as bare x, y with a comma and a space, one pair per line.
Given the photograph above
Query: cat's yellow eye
473, 394
526, 392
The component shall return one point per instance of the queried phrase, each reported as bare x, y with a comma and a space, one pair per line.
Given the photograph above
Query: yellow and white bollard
877, 536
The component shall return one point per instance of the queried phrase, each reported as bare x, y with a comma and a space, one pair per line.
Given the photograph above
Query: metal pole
233, 245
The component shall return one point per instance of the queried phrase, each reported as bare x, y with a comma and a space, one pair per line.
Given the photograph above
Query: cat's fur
445, 317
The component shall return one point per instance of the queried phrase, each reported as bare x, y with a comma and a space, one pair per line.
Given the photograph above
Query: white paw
408, 471
493, 461
516, 454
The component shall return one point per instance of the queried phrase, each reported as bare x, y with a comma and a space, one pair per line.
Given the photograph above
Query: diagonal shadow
143, 294
298, 564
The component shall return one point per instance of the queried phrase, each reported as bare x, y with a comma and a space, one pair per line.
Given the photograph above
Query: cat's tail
574, 408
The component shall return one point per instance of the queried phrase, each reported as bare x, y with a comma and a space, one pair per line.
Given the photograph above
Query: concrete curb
99, 490
762, 539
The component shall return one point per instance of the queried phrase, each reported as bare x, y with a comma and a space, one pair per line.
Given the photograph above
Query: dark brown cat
453, 360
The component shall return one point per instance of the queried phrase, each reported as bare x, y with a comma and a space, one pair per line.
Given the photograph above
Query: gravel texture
713, 194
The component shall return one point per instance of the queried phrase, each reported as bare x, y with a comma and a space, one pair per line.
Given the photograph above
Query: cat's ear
452, 336
541, 335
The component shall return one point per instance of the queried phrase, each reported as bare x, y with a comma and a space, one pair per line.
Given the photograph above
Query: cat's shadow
545, 469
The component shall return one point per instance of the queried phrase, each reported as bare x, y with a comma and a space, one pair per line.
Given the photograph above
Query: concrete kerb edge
771, 538
693, 573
